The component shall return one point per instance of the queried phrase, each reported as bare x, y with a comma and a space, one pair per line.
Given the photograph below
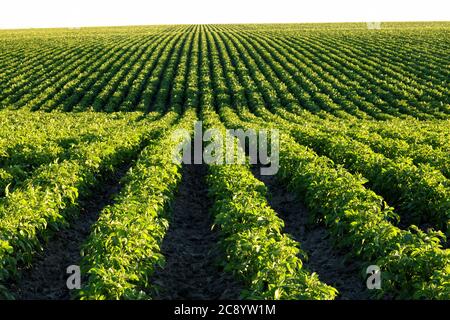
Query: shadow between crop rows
192, 268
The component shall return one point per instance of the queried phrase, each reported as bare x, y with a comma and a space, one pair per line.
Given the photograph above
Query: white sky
73, 13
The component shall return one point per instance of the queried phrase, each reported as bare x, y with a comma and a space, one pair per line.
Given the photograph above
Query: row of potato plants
113, 77
257, 251
421, 192
427, 244
434, 133
338, 81
376, 64
48, 90
49, 198
399, 84
75, 53
397, 148
42, 138
420, 155
91, 81
413, 263
38, 61
16, 80
124, 248
287, 49
293, 72
428, 68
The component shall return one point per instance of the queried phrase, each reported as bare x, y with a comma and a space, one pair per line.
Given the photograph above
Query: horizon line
219, 23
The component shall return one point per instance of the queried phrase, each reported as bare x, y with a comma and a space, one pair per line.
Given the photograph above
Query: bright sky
74, 13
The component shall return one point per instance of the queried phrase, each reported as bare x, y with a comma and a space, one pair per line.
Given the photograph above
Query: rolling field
87, 176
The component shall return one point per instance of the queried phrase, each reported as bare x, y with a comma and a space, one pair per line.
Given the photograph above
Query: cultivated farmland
87, 176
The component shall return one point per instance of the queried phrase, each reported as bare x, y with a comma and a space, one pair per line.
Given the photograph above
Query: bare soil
191, 248
328, 262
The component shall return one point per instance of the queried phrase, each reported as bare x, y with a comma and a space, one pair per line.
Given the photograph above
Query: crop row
359, 220
124, 247
335, 202
258, 252
415, 187
41, 139
48, 199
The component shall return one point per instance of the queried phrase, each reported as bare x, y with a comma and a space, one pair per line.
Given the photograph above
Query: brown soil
192, 271
330, 264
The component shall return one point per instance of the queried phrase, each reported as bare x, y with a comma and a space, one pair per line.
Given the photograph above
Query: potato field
88, 182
